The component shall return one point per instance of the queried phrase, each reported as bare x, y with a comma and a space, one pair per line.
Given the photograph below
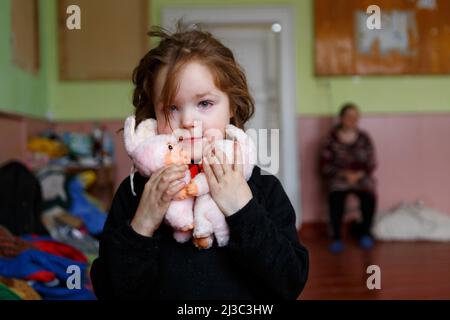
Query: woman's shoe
366, 242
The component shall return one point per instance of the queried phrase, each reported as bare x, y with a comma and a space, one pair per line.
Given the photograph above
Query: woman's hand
226, 180
158, 192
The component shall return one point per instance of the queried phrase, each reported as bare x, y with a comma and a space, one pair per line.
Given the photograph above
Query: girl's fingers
174, 188
154, 178
223, 160
207, 149
165, 198
169, 170
168, 177
208, 171
216, 166
213, 163
238, 161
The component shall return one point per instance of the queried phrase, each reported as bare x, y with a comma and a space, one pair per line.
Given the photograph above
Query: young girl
191, 81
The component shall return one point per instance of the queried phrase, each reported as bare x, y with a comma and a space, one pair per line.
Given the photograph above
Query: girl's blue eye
173, 108
205, 104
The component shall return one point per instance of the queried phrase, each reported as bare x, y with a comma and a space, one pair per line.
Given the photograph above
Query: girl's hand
226, 180
158, 192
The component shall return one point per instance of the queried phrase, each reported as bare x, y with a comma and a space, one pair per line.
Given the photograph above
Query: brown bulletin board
110, 43
415, 39
25, 34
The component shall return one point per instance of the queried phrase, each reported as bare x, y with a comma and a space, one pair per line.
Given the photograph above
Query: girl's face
199, 111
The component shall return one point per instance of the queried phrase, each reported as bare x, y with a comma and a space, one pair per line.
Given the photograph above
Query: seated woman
347, 162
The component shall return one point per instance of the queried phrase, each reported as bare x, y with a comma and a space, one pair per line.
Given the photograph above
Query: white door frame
288, 118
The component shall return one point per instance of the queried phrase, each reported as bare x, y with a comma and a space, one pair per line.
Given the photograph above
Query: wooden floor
409, 270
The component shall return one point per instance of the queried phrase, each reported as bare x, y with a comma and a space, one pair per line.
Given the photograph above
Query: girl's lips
190, 140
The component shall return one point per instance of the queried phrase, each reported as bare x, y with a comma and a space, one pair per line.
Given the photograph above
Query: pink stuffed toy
151, 152
208, 219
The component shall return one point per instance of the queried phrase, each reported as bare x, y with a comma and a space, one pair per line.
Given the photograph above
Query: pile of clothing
68, 195
49, 231
72, 148
38, 267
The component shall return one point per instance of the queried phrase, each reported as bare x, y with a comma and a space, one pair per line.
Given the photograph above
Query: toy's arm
198, 186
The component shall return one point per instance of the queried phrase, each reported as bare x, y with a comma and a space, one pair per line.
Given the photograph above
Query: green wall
21, 92
316, 96
79, 100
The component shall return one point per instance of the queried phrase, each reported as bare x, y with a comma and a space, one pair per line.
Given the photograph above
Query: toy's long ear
248, 148
134, 137
146, 129
233, 132
129, 134
240, 135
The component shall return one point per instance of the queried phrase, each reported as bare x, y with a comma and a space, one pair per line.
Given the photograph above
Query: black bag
20, 200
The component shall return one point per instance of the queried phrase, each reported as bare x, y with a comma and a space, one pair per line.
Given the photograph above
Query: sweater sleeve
127, 264
264, 241
370, 164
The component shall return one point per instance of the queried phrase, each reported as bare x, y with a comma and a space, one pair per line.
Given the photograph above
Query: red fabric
195, 169
43, 276
60, 249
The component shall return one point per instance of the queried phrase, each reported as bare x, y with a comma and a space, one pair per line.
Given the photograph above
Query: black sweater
263, 260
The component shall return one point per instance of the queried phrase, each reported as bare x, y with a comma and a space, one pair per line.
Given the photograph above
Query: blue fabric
93, 218
24, 265
62, 293
33, 237
31, 261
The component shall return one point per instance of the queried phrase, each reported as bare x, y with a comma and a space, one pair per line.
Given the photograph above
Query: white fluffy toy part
150, 152
209, 221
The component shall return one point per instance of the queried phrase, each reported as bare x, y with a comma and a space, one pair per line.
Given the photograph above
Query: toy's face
175, 155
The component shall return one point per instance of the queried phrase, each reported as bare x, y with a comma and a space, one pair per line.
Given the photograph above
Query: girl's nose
187, 119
